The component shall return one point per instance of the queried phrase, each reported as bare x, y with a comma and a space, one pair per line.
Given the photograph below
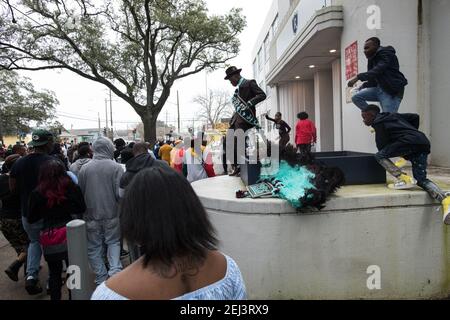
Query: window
266, 47
275, 25
268, 90
260, 59
255, 69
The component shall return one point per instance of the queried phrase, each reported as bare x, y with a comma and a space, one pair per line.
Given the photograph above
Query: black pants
413, 153
55, 281
284, 140
238, 155
304, 148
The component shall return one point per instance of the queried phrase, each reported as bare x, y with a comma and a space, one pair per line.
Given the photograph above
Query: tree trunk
149, 121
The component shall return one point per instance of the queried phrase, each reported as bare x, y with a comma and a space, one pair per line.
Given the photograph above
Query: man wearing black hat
22, 180
247, 95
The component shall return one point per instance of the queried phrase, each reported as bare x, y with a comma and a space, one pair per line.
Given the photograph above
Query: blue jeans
388, 102
34, 248
104, 233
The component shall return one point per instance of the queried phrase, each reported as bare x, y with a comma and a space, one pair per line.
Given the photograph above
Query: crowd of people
45, 185
125, 192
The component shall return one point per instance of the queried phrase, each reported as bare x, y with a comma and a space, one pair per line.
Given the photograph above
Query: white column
337, 105
323, 101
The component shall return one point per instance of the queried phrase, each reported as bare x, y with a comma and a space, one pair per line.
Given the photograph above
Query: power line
24, 14
91, 119
80, 117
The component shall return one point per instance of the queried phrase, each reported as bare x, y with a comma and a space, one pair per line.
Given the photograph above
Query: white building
300, 60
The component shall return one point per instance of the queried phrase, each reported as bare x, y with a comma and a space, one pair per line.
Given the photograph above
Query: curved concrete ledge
219, 194
325, 255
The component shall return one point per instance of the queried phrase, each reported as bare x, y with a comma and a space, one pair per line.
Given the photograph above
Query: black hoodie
138, 163
384, 70
400, 129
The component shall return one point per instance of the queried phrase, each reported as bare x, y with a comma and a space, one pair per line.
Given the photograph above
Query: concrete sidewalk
10, 290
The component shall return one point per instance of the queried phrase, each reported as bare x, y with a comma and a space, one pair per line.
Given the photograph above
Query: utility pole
106, 114
110, 109
99, 125
165, 125
178, 112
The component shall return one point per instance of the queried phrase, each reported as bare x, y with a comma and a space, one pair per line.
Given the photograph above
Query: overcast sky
82, 99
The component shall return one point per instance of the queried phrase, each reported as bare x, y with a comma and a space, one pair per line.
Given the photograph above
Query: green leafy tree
22, 106
137, 48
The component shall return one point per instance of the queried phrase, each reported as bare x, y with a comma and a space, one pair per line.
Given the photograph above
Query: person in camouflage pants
13, 231
11, 222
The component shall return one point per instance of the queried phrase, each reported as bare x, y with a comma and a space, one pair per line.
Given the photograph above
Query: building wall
421, 46
305, 10
440, 82
12, 140
323, 102
337, 104
399, 29
295, 97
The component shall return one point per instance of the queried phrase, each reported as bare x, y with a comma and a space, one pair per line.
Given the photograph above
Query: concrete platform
331, 254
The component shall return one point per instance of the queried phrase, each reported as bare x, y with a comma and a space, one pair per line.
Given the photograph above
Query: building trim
329, 17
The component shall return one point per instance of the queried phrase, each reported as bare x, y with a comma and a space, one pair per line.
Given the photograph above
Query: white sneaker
405, 182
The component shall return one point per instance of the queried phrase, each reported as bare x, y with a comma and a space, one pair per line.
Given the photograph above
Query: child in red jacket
305, 133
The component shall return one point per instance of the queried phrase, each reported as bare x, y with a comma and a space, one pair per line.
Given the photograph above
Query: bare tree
214, 107
136, 48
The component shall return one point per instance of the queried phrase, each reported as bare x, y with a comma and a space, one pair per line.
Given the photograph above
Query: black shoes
13, 270
32, 286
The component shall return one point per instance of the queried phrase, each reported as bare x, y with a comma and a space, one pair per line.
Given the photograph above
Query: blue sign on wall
295, 23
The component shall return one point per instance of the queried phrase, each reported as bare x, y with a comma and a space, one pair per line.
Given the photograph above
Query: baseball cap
40, 137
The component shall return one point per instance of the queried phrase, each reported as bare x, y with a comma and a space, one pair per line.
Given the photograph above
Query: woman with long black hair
178, 243
56, 201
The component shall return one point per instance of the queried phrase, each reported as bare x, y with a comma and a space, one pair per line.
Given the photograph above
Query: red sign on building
351, 60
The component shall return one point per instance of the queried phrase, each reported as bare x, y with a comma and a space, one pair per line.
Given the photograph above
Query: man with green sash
247, 95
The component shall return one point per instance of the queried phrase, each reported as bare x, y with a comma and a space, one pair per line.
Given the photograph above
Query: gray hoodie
77, 165
99, 180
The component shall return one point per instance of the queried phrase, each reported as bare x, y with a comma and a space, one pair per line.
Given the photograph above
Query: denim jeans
104, 233
389, 103
34, 248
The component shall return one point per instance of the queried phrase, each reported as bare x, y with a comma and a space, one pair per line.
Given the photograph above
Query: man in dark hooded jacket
397, 135
383, 82
141, 160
